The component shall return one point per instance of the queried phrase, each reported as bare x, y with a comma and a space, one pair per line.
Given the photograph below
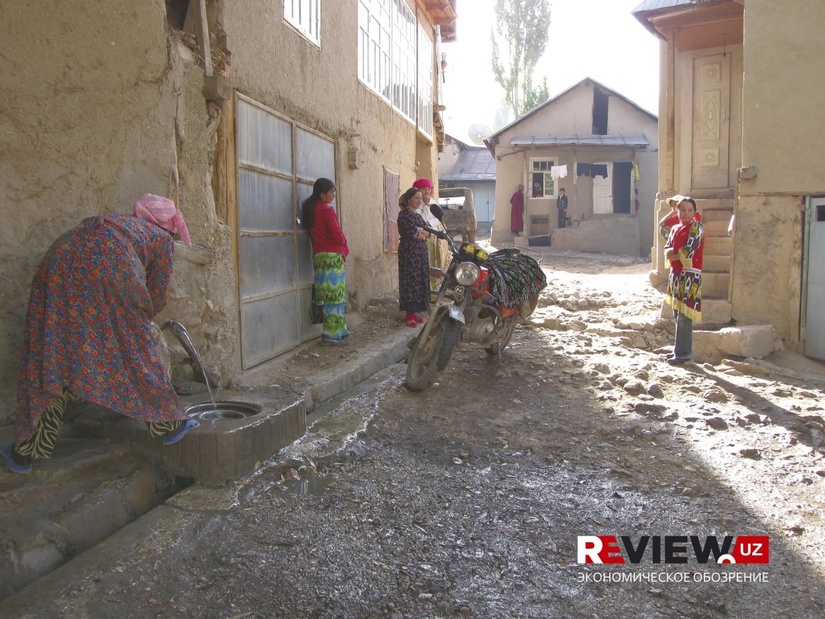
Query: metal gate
814, 293
277, 162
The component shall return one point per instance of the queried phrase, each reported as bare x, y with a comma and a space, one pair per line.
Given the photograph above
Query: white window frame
374, 45
305, 17
425, 82
542, 165
395, 59
403, 60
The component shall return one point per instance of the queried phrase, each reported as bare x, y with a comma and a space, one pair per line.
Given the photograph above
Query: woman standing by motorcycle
413, 261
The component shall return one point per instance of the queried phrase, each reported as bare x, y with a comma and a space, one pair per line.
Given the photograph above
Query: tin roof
635, 141
653, 5
473, 164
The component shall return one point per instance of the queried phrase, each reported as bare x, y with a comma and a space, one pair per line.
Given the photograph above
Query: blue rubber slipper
190, 424
22, 469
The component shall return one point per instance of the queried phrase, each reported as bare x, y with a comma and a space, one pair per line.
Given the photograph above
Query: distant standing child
561, 205
684, 250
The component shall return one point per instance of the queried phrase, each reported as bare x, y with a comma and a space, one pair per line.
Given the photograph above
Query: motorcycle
480, 301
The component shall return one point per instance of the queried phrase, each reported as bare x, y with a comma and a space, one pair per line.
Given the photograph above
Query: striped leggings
41, 443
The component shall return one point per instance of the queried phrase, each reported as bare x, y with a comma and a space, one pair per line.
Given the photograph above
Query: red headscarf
162, 212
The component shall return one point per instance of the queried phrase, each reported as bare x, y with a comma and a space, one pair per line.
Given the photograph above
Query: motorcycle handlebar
443, 236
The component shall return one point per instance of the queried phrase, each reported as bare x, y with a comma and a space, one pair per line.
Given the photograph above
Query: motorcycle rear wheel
430, 356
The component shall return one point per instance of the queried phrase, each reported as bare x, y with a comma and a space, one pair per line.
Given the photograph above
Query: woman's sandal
171, 439
419, 319
412, 322
14, 467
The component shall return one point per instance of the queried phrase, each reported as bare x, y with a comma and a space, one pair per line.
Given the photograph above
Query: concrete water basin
221, 410
236, 434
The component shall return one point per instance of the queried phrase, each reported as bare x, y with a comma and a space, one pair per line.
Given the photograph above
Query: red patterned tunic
88, 322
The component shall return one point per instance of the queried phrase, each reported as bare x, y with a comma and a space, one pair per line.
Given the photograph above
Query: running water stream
182, 335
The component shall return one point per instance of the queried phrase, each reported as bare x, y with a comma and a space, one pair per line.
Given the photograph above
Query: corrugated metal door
815, 293
278, 163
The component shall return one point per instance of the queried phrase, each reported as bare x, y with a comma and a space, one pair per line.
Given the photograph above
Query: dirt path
468, 500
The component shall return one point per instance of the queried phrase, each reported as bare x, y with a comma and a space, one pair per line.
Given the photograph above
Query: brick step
716, 214
718, 246
716, 227
714, 311
714, 204
715, 264
715, 285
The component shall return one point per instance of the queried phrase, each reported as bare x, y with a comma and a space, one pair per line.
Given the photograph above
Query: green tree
519, 38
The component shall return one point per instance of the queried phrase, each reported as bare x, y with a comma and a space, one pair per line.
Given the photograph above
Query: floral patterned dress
88, 326
413, 264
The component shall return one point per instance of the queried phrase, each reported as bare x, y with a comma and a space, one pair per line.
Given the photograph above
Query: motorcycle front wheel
430, 355
496, 347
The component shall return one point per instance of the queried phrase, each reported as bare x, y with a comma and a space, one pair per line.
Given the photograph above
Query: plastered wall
99, 107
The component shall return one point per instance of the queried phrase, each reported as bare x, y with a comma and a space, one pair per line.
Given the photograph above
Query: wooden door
602, 193
711, 122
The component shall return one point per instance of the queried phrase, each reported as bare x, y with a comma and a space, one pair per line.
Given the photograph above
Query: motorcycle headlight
466, 273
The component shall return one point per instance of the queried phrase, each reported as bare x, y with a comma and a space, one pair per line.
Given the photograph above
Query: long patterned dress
684, 286
88, 326
413, 264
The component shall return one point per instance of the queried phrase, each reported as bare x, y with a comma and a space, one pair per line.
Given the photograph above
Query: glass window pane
267, 202
270, 326
315, 156
264, 140
267, 264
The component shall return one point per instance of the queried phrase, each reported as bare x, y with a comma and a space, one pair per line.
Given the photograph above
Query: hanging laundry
558, 171
636, 172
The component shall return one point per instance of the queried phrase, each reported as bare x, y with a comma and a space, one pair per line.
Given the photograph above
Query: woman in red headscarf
88, 332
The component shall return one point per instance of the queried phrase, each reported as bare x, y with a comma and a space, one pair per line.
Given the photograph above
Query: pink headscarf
421, 183
162, 212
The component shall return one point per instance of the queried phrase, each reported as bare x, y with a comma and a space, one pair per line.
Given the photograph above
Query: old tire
430, 356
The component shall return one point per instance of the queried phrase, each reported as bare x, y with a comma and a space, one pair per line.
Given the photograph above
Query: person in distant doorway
684, 250
437, 250
561, 205
517, 211
329, 251
413, 263
88, 332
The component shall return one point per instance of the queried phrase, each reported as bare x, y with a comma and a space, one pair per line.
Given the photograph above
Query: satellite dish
479, 131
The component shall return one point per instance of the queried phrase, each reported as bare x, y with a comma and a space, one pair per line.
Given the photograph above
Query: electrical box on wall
354, 158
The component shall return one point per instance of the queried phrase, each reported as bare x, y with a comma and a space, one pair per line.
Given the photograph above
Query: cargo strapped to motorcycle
515, 277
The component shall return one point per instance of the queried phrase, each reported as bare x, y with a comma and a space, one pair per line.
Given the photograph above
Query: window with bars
305, 17
390, 44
